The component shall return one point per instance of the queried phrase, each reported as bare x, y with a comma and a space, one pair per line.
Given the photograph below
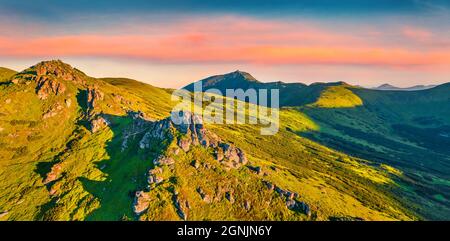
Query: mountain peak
50, 77
385, 86
235, 79
55, 69
391, 87
327, 84
240, 74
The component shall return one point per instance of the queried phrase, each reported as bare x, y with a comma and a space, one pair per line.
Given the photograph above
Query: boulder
180, 207
256, 169
3, 214
229, 196
205, 197
98, 124
141, 202
68, 102
185, 144
298, 206
54, 173
269, 185
153, 177
195, 164
247, 205
291, 204
219, 154
163, 160
233, 157
93, 97
47, 86
289, 195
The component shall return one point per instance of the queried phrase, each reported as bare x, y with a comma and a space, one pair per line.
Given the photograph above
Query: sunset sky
172, 43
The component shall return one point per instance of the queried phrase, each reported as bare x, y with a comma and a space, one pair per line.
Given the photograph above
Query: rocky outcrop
141, 202
163, 160
50, 77
298, 206
230, 156
159, 130
291, 198
247, 205
53, 111
140, 125
54, 173
154, 176
229, 196
269, 185
205, 197
256, 169
94, 95
181, 206
59, 70
47, 86
187, 134
120, 99
193, 133
195, 164
99, 123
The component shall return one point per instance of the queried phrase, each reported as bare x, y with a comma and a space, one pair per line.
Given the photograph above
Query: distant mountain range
292, 94
412, 88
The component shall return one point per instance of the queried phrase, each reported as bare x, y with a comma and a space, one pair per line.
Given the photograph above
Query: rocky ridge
193, 133
188, 133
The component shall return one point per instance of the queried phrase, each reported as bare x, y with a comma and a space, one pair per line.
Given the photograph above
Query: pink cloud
417, 34
239, 40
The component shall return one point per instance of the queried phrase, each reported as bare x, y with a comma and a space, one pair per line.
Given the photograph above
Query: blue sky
171, 43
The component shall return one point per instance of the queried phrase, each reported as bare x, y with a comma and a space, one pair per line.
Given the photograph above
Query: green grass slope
337, 97
407, 130
6, 74
71, 151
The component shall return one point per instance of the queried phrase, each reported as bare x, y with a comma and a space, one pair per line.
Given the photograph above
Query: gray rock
247, 205
269, 185
163, 160
195, 164
3, 214
141, 202
185, 144
229, 196
179, 208
205, 197
291, 204
99, 123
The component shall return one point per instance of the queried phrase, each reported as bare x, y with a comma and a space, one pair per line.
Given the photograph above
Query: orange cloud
417, 34
236, 40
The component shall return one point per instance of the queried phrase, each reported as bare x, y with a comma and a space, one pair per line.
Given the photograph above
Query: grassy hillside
5, 74
337, 97
73, 151
407, 130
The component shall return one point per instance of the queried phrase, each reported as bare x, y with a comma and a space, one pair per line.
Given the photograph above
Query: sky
172, 43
